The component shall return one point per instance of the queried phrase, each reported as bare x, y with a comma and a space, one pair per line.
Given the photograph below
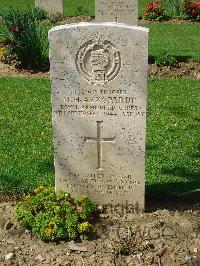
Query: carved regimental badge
98, 61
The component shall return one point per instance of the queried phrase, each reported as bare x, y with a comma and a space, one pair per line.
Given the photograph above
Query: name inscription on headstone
125, 11
99, 110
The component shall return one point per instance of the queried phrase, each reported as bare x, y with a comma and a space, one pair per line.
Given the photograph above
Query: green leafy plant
123, 248
173, 8
39, 13
154, 11
5, 53
165, 59
27, 37
53, 216
192, 10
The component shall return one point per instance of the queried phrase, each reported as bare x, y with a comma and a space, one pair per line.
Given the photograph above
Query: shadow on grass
12, 187
184, 59
175, 195
196, 154
10, 182
182, 172
46, 166
167, 200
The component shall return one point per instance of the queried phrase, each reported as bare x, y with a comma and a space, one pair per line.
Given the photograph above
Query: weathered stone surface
125, 11
50, 6
99, 80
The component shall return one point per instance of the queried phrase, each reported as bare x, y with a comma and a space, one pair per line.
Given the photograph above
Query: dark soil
142, 22
183, 69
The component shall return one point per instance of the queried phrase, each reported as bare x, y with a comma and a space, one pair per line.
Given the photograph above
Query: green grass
179, 39
26, 141
23, 4
173, 151
173, 140
70, 6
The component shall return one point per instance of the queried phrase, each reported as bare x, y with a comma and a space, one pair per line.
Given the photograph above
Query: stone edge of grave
105, 24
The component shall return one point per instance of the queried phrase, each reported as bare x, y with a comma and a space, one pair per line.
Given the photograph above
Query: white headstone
99, 81
125, 11
50, 6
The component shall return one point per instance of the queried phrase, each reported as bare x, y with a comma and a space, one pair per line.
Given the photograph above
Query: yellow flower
48, 232
84, 227
51, 223
27, 197
83, 197
39, 189
57, 208
2, 51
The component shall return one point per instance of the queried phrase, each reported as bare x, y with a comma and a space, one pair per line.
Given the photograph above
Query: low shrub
26, 37
163, 58
154, 11
54, 217
192, 10
5, 54
38, 13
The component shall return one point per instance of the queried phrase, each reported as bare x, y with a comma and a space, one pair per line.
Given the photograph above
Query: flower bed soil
183, 69
168, 238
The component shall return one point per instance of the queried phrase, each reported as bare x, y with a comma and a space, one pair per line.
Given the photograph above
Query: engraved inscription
117, 10
98, 61
99, 110
99, 141
123, 183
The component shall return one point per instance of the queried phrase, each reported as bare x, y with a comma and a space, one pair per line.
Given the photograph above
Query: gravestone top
122, 11
50, 6
99, 79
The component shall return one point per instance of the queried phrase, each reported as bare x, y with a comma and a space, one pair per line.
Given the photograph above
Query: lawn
26, 141
70, 6
173, 155
180, 40
23, 4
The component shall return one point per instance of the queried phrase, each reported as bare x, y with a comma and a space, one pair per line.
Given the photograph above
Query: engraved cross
99, 141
